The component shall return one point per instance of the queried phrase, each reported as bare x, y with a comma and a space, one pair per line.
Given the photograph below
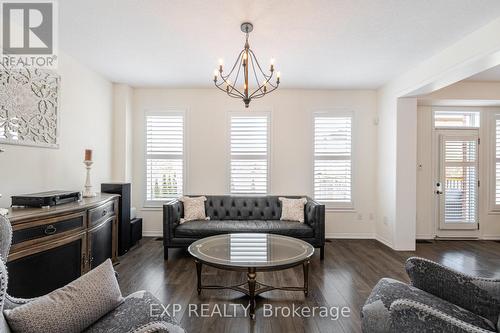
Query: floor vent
425, 241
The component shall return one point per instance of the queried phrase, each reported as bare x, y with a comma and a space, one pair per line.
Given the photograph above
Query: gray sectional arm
411, 316
478, 295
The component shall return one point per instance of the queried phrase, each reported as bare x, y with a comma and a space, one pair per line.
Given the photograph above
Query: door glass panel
460, 186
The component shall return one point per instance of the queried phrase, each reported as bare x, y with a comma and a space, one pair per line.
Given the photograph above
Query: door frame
441, 134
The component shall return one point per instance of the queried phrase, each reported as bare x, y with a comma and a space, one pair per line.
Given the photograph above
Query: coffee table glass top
251, 250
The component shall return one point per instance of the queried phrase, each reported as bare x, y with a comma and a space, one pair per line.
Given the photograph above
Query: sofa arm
172, 212
411, 316
478, 295
315, 217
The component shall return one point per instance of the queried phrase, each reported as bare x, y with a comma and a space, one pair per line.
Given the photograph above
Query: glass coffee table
252, 253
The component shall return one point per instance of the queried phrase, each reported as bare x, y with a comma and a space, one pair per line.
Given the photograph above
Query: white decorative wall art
29, 107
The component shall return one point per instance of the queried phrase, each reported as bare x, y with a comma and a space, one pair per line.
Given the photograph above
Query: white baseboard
425, 236
384, 241
490, 237
152, 233
349, 235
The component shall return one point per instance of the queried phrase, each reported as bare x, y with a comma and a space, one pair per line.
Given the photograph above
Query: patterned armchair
439, 299
131, 316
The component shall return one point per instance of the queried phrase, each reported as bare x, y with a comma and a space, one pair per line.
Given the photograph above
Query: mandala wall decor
29, 107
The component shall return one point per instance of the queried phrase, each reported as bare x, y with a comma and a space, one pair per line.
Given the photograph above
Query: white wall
85, 122
291, 147
122, 133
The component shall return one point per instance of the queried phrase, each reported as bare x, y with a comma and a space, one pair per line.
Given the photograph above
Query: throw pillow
71, 308
194, 209
292, 209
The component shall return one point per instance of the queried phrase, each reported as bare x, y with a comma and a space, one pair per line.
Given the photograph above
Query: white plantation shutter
461, 180
249, 154
497, 161
333, 159
164, 155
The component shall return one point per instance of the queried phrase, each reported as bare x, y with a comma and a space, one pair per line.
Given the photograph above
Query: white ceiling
492, 74
316, 43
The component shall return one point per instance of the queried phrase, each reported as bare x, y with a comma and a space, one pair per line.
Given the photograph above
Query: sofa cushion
140, 309
225, 207
292, 209
195, 229
377, 316
71, 308
194, 208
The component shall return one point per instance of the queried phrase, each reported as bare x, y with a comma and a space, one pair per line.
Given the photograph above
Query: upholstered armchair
439, 299
132, 315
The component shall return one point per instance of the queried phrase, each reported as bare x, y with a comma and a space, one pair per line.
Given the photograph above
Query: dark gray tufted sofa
439, 299
230, 214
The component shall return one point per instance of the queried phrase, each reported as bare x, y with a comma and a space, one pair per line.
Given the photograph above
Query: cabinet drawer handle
50, 230
104, 212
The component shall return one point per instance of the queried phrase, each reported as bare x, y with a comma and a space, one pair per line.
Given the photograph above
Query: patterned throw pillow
71, 308
194, 209
292, 209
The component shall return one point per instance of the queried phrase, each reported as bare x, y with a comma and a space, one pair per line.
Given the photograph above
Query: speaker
123, 189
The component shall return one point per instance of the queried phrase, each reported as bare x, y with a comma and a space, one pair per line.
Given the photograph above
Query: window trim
170, 111
457, 109
493, 206
332, 206
229, 115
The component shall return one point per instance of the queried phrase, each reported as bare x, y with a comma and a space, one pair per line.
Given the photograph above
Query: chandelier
247, 65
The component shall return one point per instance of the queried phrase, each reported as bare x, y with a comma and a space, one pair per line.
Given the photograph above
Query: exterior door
458, 180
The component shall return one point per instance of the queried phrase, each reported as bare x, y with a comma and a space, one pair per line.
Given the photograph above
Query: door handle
438, 188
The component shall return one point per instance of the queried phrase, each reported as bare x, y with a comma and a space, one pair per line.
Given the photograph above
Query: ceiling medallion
247, 63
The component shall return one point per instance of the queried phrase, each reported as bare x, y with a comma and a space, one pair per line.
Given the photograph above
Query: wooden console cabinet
53, 246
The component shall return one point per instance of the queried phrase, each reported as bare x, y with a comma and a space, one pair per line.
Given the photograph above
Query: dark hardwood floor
344, 279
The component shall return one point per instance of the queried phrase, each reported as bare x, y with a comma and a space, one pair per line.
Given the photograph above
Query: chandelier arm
263, 94
229, 94
225, 77
238, 75
255, 94
238, 60
258, 65
259, 86
232, 86
230, 91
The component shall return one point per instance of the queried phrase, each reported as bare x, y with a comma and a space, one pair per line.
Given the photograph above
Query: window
456, 119
333, 159
164, 156
249, 153
497, 163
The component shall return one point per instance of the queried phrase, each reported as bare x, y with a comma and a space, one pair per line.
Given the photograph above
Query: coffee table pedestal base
252, 287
